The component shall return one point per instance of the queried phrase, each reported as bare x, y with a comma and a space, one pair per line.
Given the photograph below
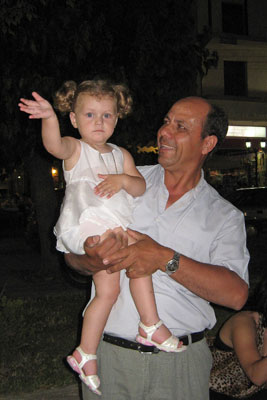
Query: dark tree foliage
149, 45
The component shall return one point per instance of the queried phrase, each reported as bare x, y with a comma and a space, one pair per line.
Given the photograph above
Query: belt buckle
155, 350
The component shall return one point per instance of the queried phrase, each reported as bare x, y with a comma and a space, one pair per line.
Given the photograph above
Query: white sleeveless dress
83, 213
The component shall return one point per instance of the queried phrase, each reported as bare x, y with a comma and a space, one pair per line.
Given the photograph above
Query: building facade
237, 34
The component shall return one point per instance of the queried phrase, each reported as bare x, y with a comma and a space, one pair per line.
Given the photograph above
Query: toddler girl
101, 182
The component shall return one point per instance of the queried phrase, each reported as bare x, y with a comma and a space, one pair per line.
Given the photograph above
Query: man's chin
163, 161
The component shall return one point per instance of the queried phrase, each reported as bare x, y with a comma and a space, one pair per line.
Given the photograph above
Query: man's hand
96, 250
140, 259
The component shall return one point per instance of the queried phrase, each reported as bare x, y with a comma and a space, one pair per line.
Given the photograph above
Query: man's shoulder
216, 197
149, 170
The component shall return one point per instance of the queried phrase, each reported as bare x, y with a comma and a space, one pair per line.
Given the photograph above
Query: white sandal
169, 345
92, 381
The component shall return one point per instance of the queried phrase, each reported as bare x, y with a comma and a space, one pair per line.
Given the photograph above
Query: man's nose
166, 130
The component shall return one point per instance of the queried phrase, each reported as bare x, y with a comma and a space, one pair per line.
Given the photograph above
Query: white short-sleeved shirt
200, 225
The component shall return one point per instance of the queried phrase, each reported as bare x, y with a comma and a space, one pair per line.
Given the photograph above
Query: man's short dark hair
216, 124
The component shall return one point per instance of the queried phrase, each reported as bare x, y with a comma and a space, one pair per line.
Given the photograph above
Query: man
193, 242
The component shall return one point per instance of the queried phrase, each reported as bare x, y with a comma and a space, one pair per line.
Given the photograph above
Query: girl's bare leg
107, 290
144, 298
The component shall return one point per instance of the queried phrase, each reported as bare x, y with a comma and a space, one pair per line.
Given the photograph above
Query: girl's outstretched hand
38, 108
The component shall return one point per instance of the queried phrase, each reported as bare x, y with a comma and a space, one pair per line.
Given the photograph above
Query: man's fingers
133, 274
115, 268
115, 257
135, 235
91, 241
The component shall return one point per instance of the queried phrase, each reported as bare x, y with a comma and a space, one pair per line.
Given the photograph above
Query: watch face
172, 266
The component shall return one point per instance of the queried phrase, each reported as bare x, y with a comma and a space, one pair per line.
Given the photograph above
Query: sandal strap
85, 357
150, 330
93, 382
170, 344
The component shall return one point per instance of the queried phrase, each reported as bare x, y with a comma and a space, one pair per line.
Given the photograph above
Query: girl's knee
107, 286
109, 293
111, 297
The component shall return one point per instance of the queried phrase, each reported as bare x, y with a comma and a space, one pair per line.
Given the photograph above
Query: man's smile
165, 146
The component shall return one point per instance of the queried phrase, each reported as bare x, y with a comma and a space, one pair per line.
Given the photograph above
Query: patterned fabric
227, 375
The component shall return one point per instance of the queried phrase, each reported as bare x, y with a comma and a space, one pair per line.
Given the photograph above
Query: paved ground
67, 393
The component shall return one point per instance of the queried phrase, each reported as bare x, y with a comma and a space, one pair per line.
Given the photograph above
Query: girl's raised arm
62, 148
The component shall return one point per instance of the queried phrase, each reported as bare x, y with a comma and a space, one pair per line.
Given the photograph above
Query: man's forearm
216, 284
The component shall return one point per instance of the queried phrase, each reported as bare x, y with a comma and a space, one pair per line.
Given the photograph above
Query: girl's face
95, 118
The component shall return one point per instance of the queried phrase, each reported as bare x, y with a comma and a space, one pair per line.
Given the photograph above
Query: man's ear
73, 119
209, 144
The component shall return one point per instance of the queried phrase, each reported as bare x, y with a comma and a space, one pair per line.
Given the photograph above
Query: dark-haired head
216, 124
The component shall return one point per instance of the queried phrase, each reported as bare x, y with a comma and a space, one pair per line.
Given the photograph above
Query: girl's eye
107, 115
89, 115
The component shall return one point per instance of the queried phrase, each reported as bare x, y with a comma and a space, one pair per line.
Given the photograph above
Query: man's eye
180, 126
165, 121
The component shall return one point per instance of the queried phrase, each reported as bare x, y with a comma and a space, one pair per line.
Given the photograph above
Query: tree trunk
46, 209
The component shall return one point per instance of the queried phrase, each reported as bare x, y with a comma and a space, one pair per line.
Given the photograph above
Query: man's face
181, 146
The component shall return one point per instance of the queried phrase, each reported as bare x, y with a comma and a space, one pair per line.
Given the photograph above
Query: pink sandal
169, 345
91, 381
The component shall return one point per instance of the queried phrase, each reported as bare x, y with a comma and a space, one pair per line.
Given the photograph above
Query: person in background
239, 352
193, 243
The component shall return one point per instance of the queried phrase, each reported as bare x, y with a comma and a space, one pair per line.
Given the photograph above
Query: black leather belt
128, 344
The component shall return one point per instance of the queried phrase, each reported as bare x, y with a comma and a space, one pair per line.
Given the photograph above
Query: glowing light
247, 131
145, 149
54, 171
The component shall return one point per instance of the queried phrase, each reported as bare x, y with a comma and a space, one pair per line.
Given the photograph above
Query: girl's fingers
37, 97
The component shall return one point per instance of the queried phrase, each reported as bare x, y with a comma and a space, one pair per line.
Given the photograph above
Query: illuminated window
247, 131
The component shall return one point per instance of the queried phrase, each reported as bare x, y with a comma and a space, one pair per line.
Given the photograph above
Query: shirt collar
194, 192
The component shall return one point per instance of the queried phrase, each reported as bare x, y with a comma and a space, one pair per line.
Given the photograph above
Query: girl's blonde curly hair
66, 97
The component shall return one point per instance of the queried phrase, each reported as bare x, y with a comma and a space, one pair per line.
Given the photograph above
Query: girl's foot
85, 365
90, 367
159, 335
